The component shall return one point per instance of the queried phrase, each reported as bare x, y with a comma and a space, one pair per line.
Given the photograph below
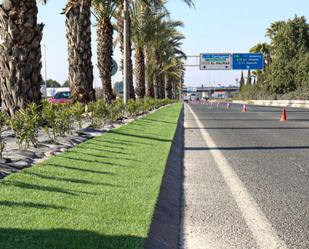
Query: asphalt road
246, 178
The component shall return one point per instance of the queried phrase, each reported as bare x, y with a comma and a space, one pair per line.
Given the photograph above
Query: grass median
100, 194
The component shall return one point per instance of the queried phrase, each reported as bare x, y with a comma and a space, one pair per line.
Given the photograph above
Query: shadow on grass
71, 180
47, 188
38, 187
101, 156
120, 133
29, 205
93, 147
79, 169
65, 239
70, 155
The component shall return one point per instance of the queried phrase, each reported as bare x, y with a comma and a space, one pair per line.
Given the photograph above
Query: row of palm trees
154, 37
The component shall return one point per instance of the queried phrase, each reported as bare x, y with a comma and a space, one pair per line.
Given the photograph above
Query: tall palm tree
139, 33
165, 45
104, 10
273, 29
20, 54
78, 28
155, 4
264, 48
120, 28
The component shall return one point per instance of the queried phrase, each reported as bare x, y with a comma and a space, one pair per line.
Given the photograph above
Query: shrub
78, 110
25, 125
4, 118
116, 110
98, 113
59, 119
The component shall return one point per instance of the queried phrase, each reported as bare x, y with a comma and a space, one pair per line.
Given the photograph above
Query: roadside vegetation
154, 37
58, 120
100, 194
286, 74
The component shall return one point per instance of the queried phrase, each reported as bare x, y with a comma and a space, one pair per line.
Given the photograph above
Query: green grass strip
100, 194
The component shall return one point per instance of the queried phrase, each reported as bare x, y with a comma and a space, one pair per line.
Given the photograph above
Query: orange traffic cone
283, 115
244, 108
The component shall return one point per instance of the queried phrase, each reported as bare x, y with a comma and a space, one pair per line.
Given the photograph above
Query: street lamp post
126, 52
45, 70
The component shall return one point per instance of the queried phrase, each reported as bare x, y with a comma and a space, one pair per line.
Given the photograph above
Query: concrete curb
165, 226
278, 103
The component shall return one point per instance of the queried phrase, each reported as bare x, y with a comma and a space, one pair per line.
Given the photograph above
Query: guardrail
281, 103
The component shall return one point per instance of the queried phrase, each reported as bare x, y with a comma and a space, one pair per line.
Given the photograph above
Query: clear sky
213, 26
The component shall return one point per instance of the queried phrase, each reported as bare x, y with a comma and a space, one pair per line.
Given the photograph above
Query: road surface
246, 178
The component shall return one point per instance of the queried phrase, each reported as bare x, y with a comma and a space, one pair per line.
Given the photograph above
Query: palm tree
164, 47
154, 5
263, 48
120, 28
139, 34
273, 29
104, 11
20, 54
78, 28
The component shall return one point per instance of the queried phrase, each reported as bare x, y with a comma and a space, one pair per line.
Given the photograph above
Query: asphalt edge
165, 227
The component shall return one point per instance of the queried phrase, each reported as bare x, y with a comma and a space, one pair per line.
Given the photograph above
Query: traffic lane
270, 160
211, 217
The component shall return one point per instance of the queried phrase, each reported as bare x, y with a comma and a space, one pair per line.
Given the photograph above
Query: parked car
61, 97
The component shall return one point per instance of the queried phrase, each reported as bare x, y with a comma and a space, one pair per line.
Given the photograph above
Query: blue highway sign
252, 61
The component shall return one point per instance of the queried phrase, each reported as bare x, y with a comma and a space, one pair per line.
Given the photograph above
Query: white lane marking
265, 235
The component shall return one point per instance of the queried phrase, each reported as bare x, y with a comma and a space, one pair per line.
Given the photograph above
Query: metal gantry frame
197, 61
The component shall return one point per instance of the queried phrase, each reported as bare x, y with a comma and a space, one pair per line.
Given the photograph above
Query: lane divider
262, 230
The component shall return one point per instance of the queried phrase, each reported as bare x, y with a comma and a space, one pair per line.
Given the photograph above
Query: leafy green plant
25, 125
59, 119
78, 110
4, 118
116, 110
64, 119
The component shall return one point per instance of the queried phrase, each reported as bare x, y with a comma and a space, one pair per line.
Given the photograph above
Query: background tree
290, 46
52, 83
66, 84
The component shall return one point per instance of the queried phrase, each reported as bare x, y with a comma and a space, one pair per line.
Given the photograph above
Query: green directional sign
215, 61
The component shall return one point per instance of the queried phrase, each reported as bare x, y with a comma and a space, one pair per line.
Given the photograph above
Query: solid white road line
265, 235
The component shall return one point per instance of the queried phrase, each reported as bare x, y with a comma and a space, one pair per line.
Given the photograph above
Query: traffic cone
283, 115
244, 108
228, 106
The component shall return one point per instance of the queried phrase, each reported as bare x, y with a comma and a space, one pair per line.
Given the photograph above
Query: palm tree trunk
20, 54
140, 72
105, 54
131, 91
161, 87
78, 27
149, 78
156, 82
168, 88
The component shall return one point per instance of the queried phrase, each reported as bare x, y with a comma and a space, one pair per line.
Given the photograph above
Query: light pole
126, 51
45, 70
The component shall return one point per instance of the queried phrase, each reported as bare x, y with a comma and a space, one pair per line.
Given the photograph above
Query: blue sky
213, 26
